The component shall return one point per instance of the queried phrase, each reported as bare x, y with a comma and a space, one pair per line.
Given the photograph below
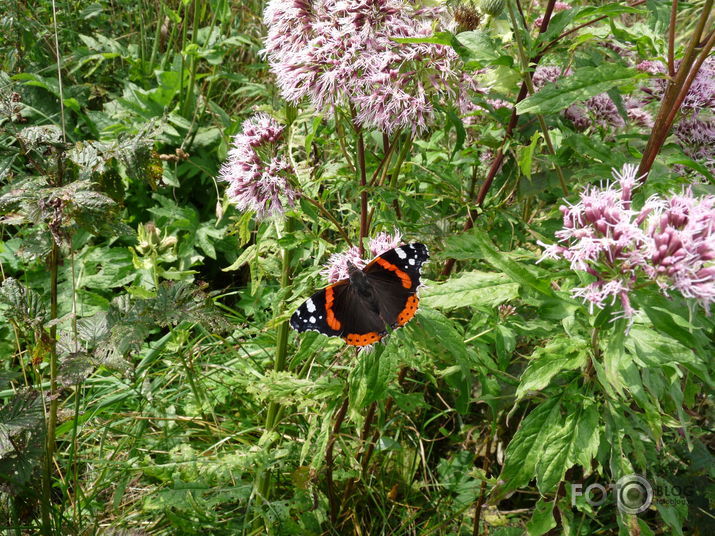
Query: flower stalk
676, 91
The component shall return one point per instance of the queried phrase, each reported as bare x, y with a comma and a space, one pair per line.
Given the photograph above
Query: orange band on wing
409, 311
355, 339
406, 280
333, 322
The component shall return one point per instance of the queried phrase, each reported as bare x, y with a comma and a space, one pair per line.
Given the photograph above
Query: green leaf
369, 379
558, 450
475, 244
524, 449
613, 355
476, 48
429, 327
588, 435
470, 289
542, 520
583, 84
560, 354
526, 154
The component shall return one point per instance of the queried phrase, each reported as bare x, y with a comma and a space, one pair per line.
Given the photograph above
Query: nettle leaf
369, 379
23, 413
586, 82
470, 289
562, 353
25, 306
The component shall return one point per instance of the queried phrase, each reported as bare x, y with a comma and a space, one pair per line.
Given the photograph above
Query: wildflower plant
357, 121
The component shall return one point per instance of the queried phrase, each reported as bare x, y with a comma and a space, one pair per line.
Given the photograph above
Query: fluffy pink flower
669, 241
337, 265
696, 135
255, 172
344, 52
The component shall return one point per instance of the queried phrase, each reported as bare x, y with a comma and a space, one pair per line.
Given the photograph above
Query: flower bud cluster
255, 170
669, 241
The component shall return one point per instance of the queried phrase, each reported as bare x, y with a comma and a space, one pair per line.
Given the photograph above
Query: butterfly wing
317, 313
395, 277
338, 311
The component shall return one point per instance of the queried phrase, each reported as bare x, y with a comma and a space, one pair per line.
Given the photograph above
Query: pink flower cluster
344, 53
669, 241
337, 265
255, 171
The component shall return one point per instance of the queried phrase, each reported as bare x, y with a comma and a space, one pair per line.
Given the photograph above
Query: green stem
363, 189
263, 481
52, 413
530, 86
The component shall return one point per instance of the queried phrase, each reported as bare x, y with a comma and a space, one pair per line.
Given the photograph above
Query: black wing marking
312, 314
409, 259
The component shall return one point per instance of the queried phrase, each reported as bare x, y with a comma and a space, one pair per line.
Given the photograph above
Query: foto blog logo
634, 494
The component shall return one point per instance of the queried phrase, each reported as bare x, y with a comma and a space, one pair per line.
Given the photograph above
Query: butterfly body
362, 307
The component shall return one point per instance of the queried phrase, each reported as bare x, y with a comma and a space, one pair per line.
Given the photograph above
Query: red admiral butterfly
359, 308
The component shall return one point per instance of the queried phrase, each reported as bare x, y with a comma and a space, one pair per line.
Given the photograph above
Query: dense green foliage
148, 380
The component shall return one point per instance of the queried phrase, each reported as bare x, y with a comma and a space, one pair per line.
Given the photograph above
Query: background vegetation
148, 383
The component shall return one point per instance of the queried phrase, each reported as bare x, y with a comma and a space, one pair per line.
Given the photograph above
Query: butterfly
362, 307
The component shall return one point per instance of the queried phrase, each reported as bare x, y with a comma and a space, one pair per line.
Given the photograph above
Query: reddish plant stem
691, 78
671, 37
675, 93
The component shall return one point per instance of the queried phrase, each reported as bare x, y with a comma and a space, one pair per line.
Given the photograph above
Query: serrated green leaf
369, 379
524, 449
586, 82
558, 355
542, 520
470, 289
432, 327
557, 451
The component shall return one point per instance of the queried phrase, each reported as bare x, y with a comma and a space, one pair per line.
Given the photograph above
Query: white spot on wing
310, 306
312, 320
412, 262
401, 253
